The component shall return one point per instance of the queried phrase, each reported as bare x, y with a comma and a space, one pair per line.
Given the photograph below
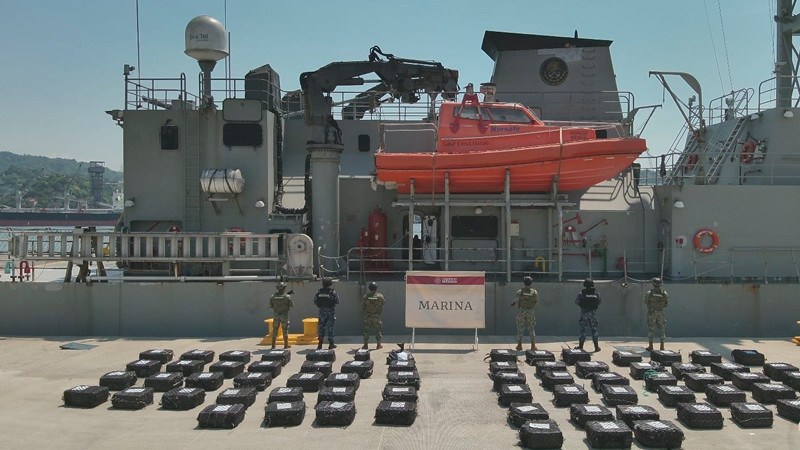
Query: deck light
129, 202
788, 114
678, 204
260, 203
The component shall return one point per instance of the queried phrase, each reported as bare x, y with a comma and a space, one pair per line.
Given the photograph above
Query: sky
62, 59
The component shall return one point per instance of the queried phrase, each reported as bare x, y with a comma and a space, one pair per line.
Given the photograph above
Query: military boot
273, 343
580, 344
319, 344
331, 345
519, 344
286, 343
533, 343
650, 347
662, 345
596, 347
366, 344
379, 346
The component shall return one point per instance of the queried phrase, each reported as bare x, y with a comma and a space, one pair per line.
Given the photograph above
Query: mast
785, 69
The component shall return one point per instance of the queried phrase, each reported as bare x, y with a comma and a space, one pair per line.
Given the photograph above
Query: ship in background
242, 181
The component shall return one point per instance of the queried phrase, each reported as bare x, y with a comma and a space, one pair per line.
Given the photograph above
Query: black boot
580, 344
331, 345
319, 344
596, 347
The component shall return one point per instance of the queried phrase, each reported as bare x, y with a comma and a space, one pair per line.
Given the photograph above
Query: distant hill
45, 181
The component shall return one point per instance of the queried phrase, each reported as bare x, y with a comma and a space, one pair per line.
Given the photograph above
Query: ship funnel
207, 42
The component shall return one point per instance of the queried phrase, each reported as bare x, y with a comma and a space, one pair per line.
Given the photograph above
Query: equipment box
519, 393
653, 381
619, 395
789, 409
519, 413
569, 394
572, 355
698, 382
585, 369
242, 356
502, 354
699, 415
549, 366
143, 368
400, 393
410, 378
724, 394
337, 394
746, 380
580, 414
118, 380
673, 395
343, 380
770, 393
285, 414
208, 381
603, 378
132, 398
308, 382
323, 367
163, 382
85, 396
183, 399
541, 434
258, 380
285, 395
552, 379
631, 413
246, 396
638, 369
282, 356
748, 357
273, 368
364, 369
396, 413
608, 434
777, 370
199, 355
534, 356
186, 367
665, 357
321, 355
726, 370
221, 416
624, 359
229, 369
335, 413
705, 357
161, 355
658, 433
751, 415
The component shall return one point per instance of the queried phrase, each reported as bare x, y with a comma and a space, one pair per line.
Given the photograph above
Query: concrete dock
457, 407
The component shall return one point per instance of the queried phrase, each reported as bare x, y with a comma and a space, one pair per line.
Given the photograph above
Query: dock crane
22, 191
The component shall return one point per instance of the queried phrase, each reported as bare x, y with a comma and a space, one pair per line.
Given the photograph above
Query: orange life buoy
748, 149
691, 161
698, 238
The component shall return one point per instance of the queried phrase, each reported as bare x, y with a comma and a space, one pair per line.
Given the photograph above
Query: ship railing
778, 264
729, 106
150, 247
158, 93
768, 92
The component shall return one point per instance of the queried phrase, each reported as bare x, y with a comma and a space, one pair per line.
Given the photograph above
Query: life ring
698, 238
691, 161
748, 149
174, 229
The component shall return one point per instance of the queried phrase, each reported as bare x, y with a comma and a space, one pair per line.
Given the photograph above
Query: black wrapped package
285, 414
143, 368
519, 413
705, 357
789, 409
199, 355
221, 416
364, 369
258, 380
724, 394
603, 378
282, 356
748, 357
681, 369
698, 382
362, 355
792, 379
665, 357
549, 366
673, 395
608, 434
400, 393
631, 413
161, 355
572, 355
726, 370
336, 394
308, 382
411, 378
242, 356
569, 394
516, 393
541, 434
653, 380
585, 369
580, 414
658, 433
619, 395
396, 413
335, 413
245, 396
502, 354
343, 380
229, 369
554, 378
501, 366
751, 415
699, 415
770, 393
746, 380
118, 380
398, 366
132, 398
639, 369
323, 367
186, 367
321, 355
285, 395
776, 371
84, 396
163, 382
396, 355
501, 378
208, 381
273, 368
534, 356
183, 399
624, 358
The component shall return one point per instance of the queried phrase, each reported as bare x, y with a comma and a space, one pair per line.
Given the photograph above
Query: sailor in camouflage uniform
326, 300
372, 308
588, 300
527, 298
281, 303
656, 300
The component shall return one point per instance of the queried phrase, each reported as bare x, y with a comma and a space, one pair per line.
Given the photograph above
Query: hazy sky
62, 59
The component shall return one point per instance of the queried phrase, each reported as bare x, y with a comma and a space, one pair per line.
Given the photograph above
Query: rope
725, 44
713, 46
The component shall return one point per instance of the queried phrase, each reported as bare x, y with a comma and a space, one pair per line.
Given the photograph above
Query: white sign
445, 299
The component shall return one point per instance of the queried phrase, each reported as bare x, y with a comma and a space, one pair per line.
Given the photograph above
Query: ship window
242, 134
474, 227
169, 137
470, 112
514, 115
363, 143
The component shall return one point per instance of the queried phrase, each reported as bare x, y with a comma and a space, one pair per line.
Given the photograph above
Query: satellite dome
206, 39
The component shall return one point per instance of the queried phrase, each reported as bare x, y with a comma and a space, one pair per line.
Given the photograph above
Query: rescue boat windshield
513, 114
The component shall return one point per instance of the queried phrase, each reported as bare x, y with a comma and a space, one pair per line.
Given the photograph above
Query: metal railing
729, 106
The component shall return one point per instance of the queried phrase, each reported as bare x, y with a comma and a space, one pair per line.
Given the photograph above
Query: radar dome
206, 39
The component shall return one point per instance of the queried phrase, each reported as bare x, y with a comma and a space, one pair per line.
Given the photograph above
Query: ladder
727, 148
691, 148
